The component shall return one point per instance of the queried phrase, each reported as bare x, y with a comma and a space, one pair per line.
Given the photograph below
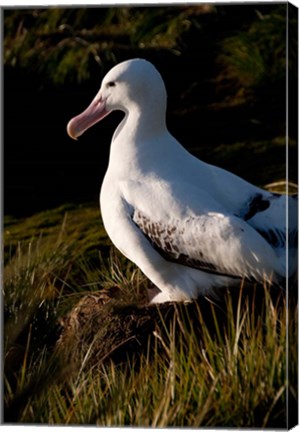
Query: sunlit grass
239, 380
230, 371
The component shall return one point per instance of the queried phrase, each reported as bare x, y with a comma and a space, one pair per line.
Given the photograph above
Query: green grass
231, 372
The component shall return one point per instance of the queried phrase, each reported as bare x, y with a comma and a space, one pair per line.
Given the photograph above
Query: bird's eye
111, 84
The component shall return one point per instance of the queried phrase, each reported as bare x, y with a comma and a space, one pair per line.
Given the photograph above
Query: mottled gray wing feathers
212, 243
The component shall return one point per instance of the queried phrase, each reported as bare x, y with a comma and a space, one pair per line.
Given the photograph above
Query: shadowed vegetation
224, 69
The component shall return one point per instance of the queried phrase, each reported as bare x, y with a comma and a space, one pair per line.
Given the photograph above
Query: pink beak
93, 113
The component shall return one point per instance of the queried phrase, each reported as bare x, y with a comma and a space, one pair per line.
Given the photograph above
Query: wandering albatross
189, 226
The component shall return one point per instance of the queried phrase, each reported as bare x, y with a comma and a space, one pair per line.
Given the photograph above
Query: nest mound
102, 327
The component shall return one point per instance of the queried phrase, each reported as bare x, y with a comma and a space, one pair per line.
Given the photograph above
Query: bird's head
129, 84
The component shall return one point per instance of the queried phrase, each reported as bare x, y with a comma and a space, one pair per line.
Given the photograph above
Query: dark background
215, 110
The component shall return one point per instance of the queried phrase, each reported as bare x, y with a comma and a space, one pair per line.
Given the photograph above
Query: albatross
190, 227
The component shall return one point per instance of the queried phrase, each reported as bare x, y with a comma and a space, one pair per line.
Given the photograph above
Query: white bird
189, 226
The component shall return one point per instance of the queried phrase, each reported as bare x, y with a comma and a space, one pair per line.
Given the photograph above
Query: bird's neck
137, 137
142, 123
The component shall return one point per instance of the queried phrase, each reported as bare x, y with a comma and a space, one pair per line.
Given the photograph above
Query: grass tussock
203, 364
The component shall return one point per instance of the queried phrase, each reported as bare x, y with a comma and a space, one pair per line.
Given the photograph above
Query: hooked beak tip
71, 132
